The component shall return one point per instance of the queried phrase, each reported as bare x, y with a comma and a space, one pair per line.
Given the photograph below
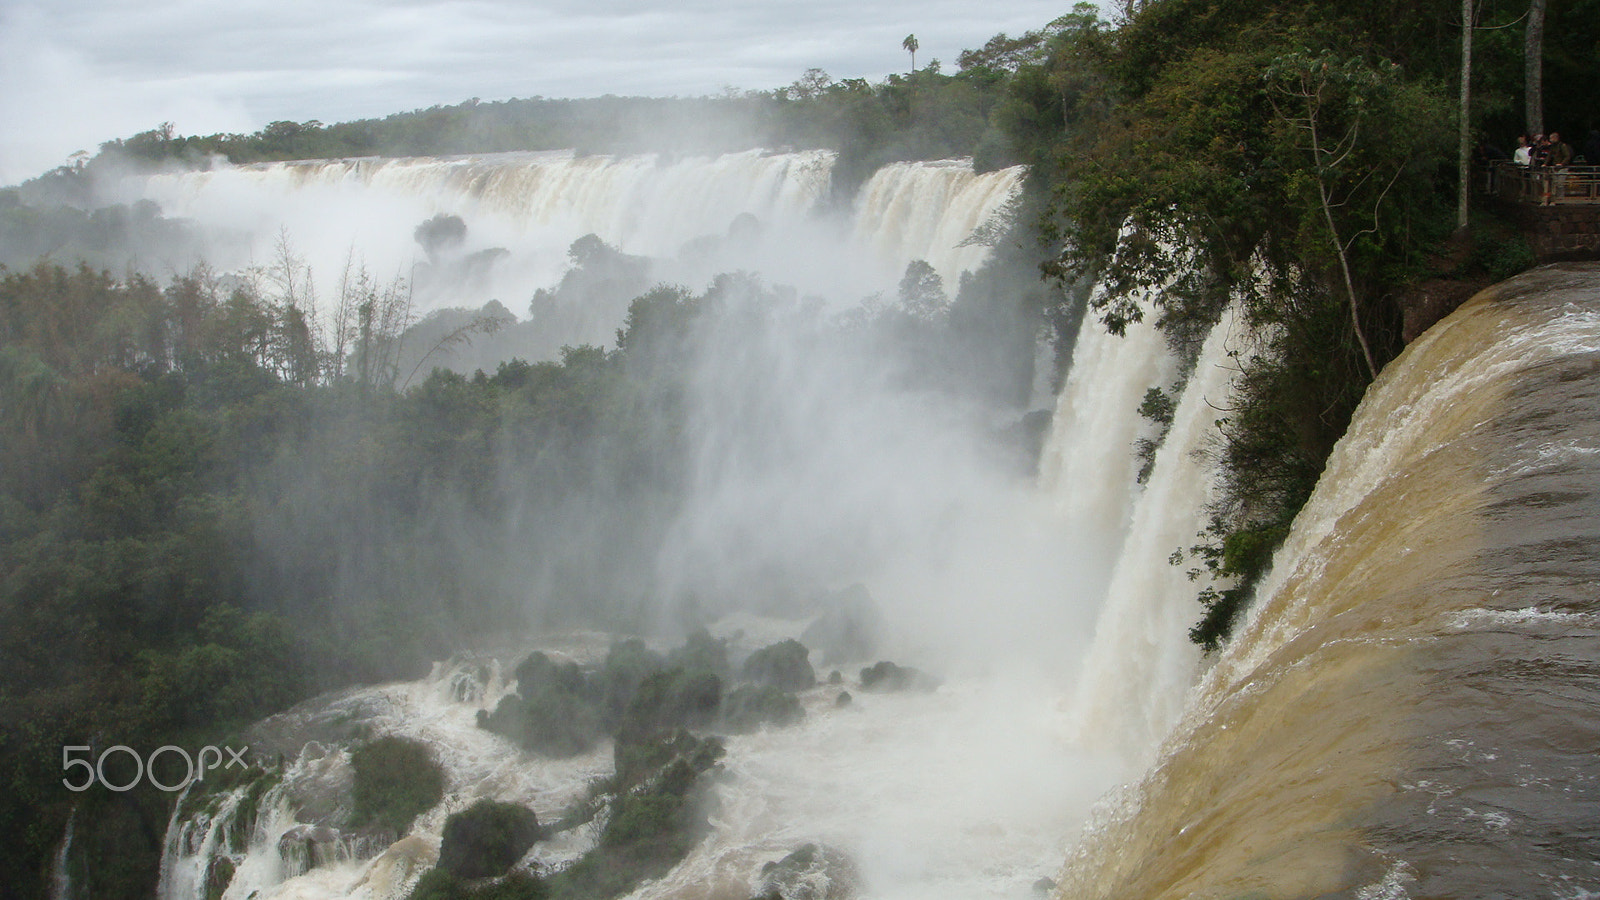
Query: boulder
884, 676
813, 872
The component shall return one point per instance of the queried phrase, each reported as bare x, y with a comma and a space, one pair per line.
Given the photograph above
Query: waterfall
60, 866
694, 216
926, 210
1088, 464
1142, 662
1409, 708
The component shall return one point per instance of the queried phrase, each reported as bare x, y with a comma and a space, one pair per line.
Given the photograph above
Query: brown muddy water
1413, 708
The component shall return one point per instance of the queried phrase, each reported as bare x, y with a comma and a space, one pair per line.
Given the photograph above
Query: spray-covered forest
212, 507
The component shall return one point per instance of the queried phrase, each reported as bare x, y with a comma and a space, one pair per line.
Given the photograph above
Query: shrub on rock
785, 665
553, 712
701, 653
670, 700
487, 839
395, 780
750, 706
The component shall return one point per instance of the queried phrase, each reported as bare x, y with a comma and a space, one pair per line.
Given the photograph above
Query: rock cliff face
1413, 706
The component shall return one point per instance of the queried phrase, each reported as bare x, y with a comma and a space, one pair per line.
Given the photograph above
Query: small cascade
1142, 662
1088, 464
60, 871
926, 210
694, 217
285, 834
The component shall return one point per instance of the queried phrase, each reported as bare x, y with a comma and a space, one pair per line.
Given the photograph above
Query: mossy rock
487, 839
554, 712
396, 779
670, 700
749, 707
785, 665
701, 653
884, 676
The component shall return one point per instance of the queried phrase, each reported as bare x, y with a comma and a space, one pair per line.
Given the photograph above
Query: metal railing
1543, 185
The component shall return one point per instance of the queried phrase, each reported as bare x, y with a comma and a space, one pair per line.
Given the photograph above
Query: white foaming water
925, 210
1142, 661
535, 204
60, 875
435, 710
965, 792
1088, 464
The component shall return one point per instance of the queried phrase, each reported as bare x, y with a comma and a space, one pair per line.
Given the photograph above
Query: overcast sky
74, 73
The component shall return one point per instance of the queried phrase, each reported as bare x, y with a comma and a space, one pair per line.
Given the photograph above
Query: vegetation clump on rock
396, 779
749, 707
785, 665
487, 838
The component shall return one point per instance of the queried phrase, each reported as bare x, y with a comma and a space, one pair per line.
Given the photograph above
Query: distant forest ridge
925, 114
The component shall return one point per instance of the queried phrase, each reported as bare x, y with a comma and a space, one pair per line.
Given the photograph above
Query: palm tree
911, 45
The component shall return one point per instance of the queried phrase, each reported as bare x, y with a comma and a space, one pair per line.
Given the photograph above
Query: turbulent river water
1413, 707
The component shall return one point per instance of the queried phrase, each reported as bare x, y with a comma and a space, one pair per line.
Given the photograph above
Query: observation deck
1558, 207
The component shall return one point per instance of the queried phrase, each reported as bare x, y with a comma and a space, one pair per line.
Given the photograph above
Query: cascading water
975, 789
1088, 465
928, 210
1142, 662
755, 210
60, 871
1410, 708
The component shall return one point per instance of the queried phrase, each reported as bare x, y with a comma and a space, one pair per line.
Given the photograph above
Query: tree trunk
1464, 141
1533, 68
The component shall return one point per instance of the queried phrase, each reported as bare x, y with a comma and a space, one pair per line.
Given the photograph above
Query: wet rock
844, 699
1044, 885
219, 874
813, 872
885, 676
